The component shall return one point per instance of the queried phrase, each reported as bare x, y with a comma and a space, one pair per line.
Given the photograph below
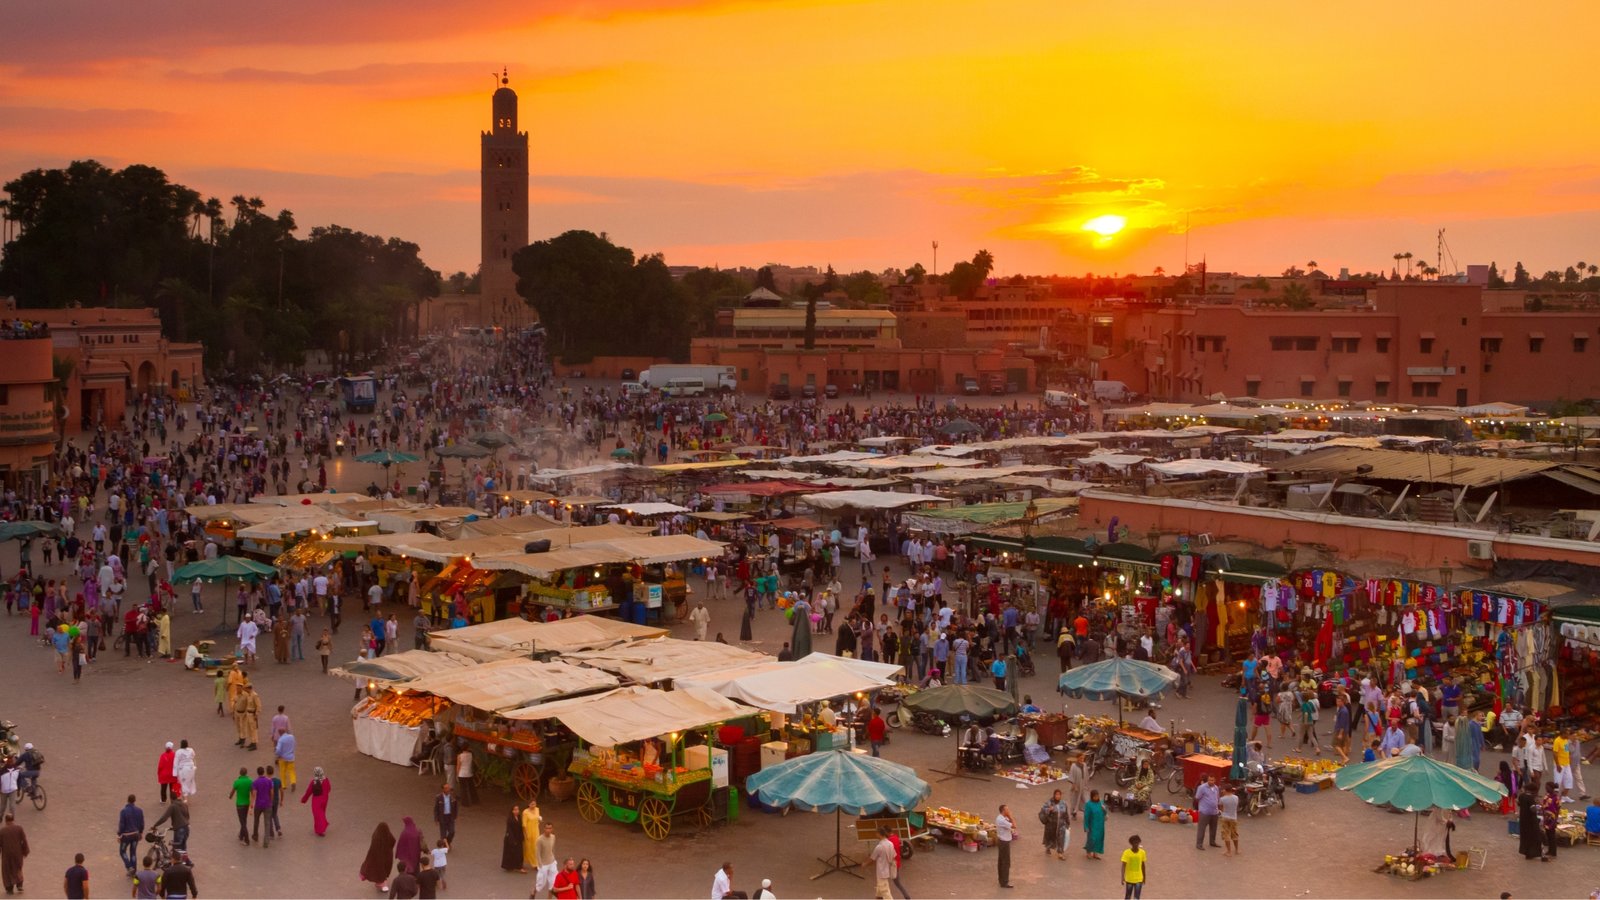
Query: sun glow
1106, 225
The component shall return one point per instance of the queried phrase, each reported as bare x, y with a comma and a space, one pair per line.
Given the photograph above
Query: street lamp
1289, 553
1152, 538
1030, 515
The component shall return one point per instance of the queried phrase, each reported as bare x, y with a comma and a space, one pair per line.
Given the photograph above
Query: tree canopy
594, 297
242, 284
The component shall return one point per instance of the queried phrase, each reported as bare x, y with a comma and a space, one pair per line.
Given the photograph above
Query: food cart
646, 756
515, 755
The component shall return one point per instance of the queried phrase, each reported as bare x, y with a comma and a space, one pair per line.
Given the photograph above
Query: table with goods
389, 726
967, 830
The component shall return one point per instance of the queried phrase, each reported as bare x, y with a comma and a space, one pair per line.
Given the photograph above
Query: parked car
809, 391
628, 375
779, 392
634, 389
831, 391
970, 386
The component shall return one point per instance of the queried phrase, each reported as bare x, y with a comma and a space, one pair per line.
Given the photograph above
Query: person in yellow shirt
1560, 749
1134, 869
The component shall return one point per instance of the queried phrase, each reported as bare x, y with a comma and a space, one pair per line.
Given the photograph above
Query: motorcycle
921, 720
338, 446
1265, 788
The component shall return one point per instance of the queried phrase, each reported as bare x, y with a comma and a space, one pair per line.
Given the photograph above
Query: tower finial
505, 75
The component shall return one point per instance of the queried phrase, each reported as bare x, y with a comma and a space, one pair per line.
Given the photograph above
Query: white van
685, 387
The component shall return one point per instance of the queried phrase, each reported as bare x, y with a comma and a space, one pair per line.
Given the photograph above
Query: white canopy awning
519, 637
667, 659
646, 509
636, 714
664, 548
1205, 467
865, 500
785, 686
511, 683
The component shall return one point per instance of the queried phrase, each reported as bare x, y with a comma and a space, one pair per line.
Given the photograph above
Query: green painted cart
611, 793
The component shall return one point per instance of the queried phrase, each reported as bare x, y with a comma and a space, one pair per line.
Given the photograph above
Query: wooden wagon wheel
525, 781
589, 802
702, 817
655, 817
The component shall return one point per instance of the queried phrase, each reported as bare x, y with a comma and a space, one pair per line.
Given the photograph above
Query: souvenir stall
647, 756
660, 569
570, 579
462, 589
1578, 666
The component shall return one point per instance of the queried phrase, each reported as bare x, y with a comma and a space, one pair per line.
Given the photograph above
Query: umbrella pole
838, 862
958, 773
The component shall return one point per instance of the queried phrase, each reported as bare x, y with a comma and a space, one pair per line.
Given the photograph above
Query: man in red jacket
567, 881
877, 731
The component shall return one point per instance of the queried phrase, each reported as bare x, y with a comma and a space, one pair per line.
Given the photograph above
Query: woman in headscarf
1530, 836
1094, 827
380, 857
511, 844
317, 792
532, 819
1508, 777
183, 768
408, 847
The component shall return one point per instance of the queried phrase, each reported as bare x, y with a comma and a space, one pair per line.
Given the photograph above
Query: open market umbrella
225, 569
12, 531
622, 453
953, 701
1241, 737
387, 458
1118, 677
839, 781
714, 417
960, 426
464, 451
1416, 783
492, 439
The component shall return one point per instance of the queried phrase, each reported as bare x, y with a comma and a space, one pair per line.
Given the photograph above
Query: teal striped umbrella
839, 781
1118, 677
1416, 783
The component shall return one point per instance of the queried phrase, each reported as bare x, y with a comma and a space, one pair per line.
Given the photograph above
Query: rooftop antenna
936, 257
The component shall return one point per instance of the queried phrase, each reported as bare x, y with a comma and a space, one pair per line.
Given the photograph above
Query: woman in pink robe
317, 792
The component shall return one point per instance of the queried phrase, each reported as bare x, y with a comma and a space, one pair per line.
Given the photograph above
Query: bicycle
35, 792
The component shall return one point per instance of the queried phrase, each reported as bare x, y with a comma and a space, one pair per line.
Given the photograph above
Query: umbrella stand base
950, 776
837, 863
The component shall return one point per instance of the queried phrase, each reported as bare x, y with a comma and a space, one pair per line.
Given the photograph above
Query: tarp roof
759, 488
1205, 467
1421, 468
664, 548
785, 686
991, 513
836, 456
543, 565
646, 509
1041, 442
978, 473
293, 523
637, 713
666, 659
865, 500
519, 637
406, 665
894, 463
511, 683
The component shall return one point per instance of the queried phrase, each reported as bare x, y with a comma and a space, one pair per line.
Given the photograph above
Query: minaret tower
505, 209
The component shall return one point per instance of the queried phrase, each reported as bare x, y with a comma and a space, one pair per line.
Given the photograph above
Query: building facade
27, 413
109, 356
1432, 343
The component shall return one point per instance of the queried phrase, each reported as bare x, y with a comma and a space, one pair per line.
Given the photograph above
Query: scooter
1264, 789
923, 721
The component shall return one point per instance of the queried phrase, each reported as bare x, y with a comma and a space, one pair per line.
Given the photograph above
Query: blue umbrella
839, 781
1116, 677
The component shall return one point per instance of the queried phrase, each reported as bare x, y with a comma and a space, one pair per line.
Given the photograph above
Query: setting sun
1106, 225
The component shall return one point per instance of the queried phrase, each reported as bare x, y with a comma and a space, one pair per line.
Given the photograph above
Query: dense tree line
234, 277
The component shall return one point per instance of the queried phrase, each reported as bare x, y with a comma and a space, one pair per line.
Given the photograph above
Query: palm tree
1397, 258
1407, 257
1311, 266
1160, 271
1593, 270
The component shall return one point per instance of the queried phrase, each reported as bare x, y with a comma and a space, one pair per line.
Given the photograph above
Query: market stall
664, 660
519, 637
508, 753
793, 691
390, 726
646, 755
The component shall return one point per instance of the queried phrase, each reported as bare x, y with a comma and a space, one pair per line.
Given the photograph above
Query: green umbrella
715, 417
226, 568
960, 426
386, 458
11, 531
1241, 737
464, 451
839, 781
622, 453
493, 439
952, 701
1118, 677
1416, 783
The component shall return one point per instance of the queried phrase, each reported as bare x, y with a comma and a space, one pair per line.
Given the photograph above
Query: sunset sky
854, 133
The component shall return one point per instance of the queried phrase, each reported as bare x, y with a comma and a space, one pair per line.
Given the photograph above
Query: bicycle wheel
38, 796
1175, 781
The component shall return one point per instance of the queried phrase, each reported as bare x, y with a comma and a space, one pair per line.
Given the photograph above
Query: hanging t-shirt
1408, 624
1330, 584
1269, 598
